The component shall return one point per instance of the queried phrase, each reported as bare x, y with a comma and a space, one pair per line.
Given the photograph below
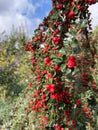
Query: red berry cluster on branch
71, 62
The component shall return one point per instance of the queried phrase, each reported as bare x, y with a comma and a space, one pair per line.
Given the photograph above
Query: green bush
14, 66
15, 75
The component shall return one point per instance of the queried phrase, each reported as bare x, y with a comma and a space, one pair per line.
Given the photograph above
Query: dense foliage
63, 59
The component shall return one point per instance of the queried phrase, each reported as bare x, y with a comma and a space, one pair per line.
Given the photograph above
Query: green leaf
66, 43
63, 51
63, 67
57, 61
74, 45
50, 81
73, 32
77, 50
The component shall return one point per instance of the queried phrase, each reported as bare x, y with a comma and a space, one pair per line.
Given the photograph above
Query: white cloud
94, 14
16, 13
5, 6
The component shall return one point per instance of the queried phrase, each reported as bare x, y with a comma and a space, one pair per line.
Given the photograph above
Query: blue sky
43, 10
29, 14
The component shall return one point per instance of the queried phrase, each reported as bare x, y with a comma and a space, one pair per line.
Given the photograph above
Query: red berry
71, 64
71, 14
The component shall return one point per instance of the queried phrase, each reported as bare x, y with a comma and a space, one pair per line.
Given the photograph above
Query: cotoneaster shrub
63, 88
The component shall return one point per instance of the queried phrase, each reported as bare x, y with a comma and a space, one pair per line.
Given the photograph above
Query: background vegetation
14, 79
